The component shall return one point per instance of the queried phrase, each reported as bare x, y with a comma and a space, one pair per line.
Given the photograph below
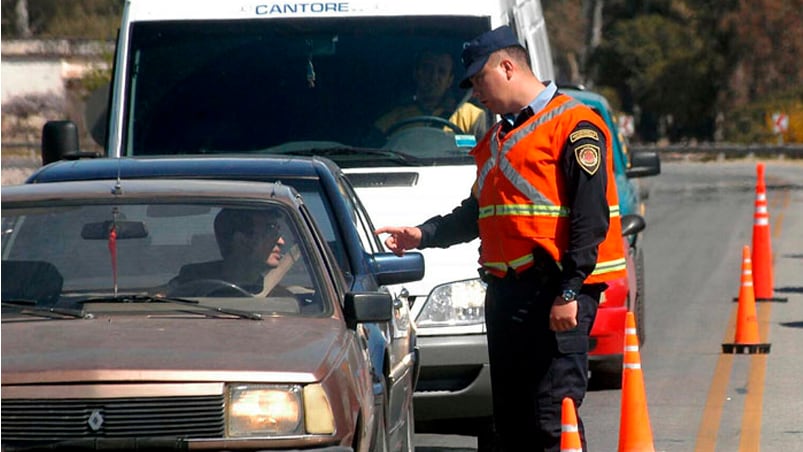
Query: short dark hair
519, 54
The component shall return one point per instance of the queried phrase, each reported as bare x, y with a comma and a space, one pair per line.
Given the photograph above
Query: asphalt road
699, 217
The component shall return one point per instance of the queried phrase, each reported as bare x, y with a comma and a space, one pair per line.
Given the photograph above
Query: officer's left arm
586, 179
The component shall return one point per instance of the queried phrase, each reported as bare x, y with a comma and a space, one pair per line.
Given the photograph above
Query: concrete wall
52, 69
36, 66
31, 77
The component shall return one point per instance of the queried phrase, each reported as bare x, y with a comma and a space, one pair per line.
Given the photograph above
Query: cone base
750, 349
772, 299
766, 300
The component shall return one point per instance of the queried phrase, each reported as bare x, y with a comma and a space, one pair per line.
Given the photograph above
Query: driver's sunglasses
266, 230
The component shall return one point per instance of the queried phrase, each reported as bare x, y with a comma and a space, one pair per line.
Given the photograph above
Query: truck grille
184, 417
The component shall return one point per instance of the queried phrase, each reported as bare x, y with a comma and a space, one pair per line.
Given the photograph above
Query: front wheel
485, 437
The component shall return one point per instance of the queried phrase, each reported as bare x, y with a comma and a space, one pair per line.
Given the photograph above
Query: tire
638, 306
606, 374
485, 437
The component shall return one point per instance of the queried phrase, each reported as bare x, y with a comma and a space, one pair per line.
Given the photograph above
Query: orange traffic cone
569, 432
635, 433
762, 248
746, 338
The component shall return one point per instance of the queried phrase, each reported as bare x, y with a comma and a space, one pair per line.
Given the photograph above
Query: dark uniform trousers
532, 367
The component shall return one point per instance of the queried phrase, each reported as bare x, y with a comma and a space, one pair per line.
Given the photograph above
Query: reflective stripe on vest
601, 268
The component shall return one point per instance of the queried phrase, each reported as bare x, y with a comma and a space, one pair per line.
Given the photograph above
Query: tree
566, 27
22, 26
662, 68
80, 19
767, 38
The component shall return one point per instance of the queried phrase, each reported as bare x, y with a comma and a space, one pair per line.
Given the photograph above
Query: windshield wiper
29, 307
139, 298
335, 151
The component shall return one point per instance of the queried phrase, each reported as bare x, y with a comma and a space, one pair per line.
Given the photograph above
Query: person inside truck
250, 245
433, 96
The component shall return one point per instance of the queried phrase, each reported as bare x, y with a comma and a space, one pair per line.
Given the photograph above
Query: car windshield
77, 259
343, 88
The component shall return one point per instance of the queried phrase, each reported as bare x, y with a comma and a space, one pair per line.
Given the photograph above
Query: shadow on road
444, 449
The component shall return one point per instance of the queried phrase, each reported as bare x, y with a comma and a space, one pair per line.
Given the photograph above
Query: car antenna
112, 242
117, 190
118, 185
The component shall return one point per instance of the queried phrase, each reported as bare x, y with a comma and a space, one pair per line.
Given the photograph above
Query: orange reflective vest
521, 194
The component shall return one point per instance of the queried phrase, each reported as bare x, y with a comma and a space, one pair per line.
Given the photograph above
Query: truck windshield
345, 88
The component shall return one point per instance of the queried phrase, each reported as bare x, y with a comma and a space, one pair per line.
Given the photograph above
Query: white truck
311, 78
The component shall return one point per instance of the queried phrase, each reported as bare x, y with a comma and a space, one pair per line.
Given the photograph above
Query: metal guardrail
707, 151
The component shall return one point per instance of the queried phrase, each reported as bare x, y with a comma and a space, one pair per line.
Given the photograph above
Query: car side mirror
391, 269
367, 307
632, 224
644, 163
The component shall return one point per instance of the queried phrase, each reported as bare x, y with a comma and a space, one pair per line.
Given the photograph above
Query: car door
400, 330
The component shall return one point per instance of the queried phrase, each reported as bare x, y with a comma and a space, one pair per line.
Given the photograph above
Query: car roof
191, 167
155, 189
587, 97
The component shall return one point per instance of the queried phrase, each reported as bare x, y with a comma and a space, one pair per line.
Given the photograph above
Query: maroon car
179, 314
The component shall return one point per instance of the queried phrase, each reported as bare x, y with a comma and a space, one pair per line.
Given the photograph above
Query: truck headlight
264, 410
458, 303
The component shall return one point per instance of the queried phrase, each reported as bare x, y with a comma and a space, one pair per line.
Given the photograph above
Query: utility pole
593, 13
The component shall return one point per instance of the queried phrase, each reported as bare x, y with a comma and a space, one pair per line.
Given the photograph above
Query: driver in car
250, 245
433, 79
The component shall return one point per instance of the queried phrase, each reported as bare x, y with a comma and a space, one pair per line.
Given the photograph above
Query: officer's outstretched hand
563, 315
401, 238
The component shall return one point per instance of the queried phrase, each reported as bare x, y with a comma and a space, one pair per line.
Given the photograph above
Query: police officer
545, 208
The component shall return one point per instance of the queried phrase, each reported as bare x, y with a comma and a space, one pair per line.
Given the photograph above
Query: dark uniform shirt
589, 215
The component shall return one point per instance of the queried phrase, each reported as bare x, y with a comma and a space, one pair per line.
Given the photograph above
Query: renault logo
95, 420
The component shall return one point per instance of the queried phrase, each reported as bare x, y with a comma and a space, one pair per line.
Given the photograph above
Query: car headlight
273, 410
263, 410
458, 303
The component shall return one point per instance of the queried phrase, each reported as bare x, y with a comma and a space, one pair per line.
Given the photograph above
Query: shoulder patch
588, 156
583, 133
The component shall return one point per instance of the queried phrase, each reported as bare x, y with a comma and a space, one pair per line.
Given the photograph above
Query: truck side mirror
59, 138
60, 142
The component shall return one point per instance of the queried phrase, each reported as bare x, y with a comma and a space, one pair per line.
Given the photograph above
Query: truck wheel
485, 437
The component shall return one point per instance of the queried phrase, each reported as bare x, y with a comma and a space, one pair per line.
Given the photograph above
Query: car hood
282, 349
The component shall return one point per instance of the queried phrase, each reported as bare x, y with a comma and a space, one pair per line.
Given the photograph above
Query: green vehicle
607, 334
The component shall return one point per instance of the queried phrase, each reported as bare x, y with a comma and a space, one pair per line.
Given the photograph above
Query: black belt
544, 270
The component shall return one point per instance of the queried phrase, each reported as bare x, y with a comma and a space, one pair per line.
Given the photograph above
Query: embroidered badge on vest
583, 133
588, 157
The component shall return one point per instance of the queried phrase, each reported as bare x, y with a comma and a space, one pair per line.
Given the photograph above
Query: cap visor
472, 70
